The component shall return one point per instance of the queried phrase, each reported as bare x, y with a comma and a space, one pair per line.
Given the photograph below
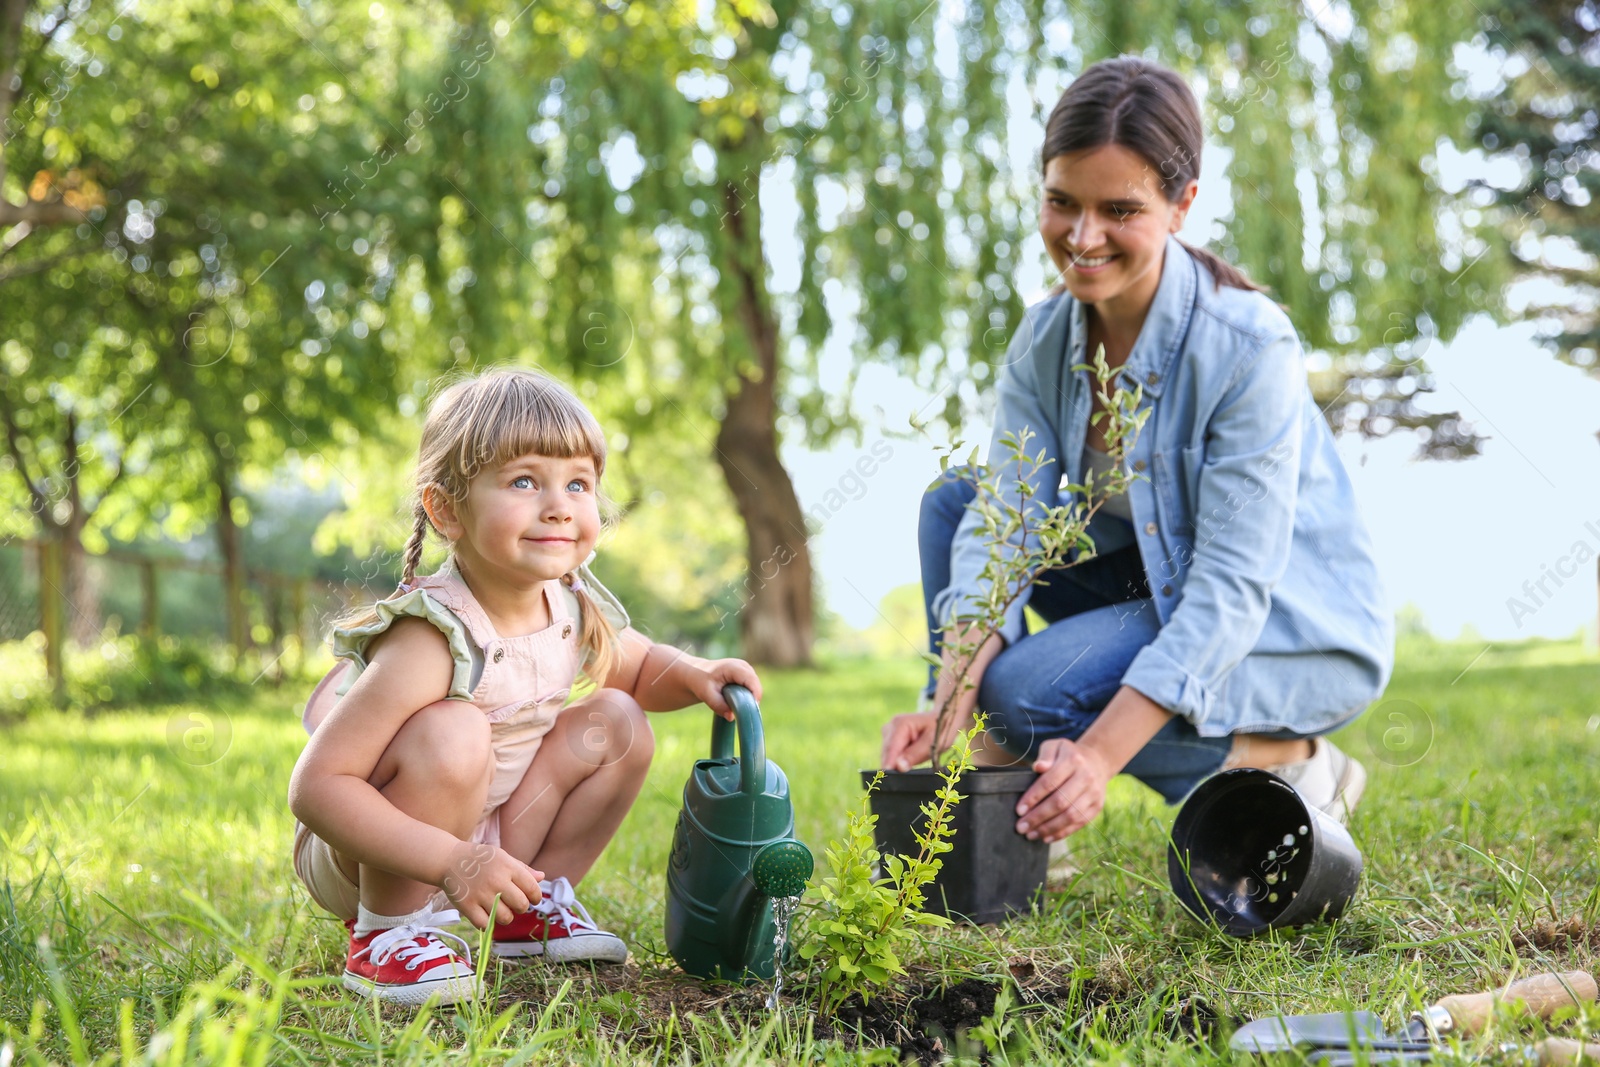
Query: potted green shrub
991, 870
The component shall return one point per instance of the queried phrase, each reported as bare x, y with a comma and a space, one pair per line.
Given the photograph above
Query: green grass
150, 912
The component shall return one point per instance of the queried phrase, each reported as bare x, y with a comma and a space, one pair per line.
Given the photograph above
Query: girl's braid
419, 533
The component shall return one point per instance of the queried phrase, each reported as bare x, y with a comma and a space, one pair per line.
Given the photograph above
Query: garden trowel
1336, 1037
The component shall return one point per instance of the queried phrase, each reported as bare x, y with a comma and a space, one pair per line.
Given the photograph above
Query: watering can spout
780, 870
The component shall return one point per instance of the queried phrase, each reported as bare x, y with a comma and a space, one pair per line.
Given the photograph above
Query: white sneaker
1330, 780
1061, 869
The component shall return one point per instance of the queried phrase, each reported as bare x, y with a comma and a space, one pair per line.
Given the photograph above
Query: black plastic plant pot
1248, 854
991, 871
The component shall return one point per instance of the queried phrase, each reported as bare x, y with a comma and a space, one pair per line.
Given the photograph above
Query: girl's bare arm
331, 790
663, 678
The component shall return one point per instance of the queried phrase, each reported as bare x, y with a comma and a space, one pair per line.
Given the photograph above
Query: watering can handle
752, 743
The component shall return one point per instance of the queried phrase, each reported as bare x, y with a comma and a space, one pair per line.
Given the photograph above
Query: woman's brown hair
1148, 109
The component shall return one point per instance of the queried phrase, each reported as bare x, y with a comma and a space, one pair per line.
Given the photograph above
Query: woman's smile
1090, 264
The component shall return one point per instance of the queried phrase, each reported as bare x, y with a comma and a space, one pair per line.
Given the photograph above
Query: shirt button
499, 654
1150, 528
1152, 378
566, 631
1166, 590
1138, 464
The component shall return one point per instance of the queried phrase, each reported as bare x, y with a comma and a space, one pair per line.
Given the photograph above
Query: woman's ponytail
1222, 272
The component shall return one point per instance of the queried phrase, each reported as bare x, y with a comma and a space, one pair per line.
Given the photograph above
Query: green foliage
862, 921
998, 1033
244, 239
124, 671
1026, 538
1544, 117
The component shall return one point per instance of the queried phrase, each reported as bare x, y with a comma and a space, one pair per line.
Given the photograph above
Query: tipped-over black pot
1248, 854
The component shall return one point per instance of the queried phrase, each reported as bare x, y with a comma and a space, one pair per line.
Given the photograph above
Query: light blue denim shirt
1260, 568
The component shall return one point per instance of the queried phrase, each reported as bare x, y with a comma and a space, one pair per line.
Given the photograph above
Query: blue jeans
1054, 683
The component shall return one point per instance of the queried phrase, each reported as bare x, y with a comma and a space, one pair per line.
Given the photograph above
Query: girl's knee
614, 729
446, 743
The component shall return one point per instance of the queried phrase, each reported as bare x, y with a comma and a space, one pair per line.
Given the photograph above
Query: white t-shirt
1099, 464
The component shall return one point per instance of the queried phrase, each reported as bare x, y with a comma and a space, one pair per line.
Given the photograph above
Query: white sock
368, 921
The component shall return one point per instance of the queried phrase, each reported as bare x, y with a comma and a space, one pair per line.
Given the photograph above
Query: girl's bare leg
584, 778
436, 770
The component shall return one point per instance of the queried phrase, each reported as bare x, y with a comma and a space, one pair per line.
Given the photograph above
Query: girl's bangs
527, 417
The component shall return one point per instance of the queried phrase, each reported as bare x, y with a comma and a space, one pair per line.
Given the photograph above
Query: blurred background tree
1543, 116
632, 220
242, 244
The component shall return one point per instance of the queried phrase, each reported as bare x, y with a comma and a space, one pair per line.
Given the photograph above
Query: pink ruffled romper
521, 683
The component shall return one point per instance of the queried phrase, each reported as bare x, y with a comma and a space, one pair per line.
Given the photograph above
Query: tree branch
41, 503
34, 266
10, 44
38, 212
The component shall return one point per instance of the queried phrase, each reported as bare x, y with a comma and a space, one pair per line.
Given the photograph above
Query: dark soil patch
923, 1025
924, 1019
1554, 936
1193, 1019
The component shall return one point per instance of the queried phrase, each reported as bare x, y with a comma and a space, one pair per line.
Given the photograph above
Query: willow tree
601, 194
176, 314
1545, 116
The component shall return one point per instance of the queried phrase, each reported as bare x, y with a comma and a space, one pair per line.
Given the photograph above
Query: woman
1232, 614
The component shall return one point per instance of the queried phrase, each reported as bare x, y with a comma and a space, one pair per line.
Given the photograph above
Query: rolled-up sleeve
1018, 407
1244, 527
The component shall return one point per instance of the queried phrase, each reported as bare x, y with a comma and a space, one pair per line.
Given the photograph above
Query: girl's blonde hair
491, 419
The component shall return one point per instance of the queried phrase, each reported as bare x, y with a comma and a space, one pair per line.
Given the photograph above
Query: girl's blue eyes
516, 483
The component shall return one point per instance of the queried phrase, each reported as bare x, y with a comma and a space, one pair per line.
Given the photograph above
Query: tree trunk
775, 626
150, 588
232, 555
52, 605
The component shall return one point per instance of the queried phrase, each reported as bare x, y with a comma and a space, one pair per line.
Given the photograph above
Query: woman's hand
478, 872
1068, 794
908, 739
1071, 788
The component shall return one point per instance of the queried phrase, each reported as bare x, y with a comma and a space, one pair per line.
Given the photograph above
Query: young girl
445, 764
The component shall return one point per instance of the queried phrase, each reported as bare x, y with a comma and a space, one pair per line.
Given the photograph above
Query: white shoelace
560, 901
401, 941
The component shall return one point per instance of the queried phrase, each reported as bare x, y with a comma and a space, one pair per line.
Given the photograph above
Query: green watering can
732, 853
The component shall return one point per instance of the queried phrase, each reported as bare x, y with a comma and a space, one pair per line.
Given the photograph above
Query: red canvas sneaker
558, 928
412, 964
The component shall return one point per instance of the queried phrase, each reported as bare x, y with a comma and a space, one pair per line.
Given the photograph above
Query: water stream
782, 912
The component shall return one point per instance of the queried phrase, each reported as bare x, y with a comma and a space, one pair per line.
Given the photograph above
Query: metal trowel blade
1338, 1030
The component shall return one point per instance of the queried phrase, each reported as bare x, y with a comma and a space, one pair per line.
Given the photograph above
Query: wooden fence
119, 583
